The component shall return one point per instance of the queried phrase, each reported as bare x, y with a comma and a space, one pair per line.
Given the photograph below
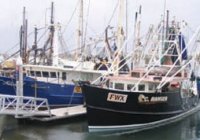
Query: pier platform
61, 113
30, 108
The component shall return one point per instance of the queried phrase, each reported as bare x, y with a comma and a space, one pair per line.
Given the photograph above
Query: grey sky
100, 13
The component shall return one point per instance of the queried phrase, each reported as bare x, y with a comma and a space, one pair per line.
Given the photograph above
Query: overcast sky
100, 12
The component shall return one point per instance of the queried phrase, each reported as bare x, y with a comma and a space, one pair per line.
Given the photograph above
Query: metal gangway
23, 106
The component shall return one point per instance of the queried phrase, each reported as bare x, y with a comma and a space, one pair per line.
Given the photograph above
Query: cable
113, 12
71, 17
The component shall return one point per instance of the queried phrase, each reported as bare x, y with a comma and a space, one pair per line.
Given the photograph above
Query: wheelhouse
139, 81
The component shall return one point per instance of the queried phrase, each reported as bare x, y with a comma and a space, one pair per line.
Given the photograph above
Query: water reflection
10, 129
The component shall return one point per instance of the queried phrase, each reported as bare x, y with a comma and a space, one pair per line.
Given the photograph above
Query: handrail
23, 106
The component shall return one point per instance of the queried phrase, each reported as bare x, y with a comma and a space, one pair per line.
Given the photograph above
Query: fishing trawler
160, 92
45, 74
117, 107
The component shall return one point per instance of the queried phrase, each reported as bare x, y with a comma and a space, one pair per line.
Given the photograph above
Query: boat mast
80, 31
23, 37
167, 24
126, 51
47, 52
120, 35
137, 42
52, 30
108, 48
55, 44
138, 26
163, 34
35, 44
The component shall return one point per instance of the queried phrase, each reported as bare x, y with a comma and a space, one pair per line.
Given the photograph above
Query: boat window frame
111, 85
53, 74
38, 74
140, 87
132, 85
45, 75
58, 74
152, 85
122, 84
32, 73
135, 74
64, 76
28, 72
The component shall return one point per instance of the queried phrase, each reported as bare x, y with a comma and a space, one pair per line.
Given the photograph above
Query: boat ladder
23, 106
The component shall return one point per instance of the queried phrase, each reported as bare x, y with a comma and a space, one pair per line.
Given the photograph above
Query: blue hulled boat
56, 84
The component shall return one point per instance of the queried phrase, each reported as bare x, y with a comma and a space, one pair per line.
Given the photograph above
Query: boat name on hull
120, 98
151, 100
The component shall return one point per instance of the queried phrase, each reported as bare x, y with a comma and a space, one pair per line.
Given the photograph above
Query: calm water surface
76, 129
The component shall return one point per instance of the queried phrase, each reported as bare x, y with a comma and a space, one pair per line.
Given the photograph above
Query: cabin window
157, 78
28, 72
119, 86
111, 84
24, 74
151, 86
53, 74
38, 73
32, 73
130, 86
64, 76
135, 74
141, 87
45, 74
178, 74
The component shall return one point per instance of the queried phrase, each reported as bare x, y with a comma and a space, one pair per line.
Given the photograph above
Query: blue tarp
182, 46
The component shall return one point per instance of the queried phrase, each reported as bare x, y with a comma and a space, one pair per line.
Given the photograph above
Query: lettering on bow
120, 98
152, 100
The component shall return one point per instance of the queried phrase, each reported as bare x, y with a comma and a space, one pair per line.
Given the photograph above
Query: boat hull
143, 126
57, 94
118, 109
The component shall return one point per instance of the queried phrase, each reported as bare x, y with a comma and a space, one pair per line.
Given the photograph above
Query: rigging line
70, 36
164, 11
17, 44
114, 11
12, 48
71, 17
62, 42
92, 30
7, 58
190, 29
88, 9
13, 54
42, 35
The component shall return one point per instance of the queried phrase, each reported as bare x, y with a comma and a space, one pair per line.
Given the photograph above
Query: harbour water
76, 129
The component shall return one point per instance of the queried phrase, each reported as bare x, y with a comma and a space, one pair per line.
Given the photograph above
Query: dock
61, 113
36, 109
